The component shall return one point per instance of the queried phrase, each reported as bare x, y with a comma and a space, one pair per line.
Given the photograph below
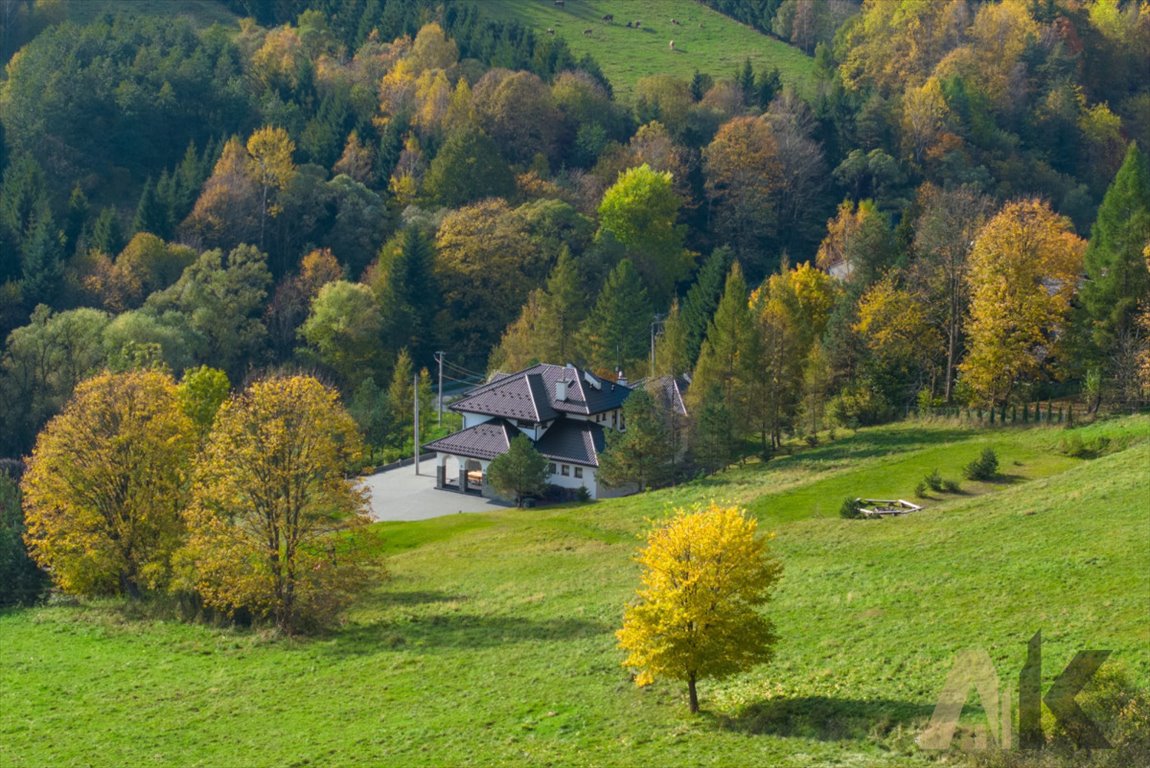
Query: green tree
222, 299
643, 452
701, 300
548, 324
151, 214
271, 506
107, 232
730, 358
671, 358
615, 334
468, 168
411, 296
520, 472
43, 268
343, 331
640, 211
706, 576
271, 167
22, 582
401, 398
201, 392
107, 483
1117, 280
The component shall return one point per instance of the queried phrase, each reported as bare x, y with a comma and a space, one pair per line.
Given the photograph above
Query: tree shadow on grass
429, 630
824, 718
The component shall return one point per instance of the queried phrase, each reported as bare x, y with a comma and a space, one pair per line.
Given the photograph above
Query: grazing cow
550, 31
628, 25
588, 31
609, 18
638, 24
676, 22
671, 45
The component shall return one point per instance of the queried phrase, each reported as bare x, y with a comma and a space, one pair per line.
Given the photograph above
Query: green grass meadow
492, 642
705, 40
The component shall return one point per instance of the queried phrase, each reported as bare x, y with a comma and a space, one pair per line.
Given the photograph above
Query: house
564, 410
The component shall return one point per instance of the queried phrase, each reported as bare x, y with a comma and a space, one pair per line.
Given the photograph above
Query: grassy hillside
705, 40
202, 13
493, 644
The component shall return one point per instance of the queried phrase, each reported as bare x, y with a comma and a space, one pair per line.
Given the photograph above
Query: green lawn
492, 643
705, 40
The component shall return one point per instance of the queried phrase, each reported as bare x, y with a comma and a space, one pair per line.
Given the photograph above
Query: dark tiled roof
668, 391
483, 441
574, 442
530, 394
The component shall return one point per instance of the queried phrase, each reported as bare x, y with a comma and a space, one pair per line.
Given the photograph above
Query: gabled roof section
483, 441
668, 391
530, 394
573, 442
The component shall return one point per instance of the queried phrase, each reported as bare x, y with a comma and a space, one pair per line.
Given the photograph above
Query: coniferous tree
671, 357
1117, 277
701, 300
643, 453
43, 269
107, 234
151, 215
563, 301
615, 335
414, 296
76, 220
399, 398
519, 472
731, 357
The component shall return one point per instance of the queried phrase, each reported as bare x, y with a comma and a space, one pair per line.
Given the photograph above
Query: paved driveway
399, 494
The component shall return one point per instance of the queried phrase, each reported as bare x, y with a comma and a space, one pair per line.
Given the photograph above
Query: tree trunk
692, 694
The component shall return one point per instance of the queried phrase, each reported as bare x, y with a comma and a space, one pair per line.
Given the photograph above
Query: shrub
859, 406
1075, 447
850, 509
934, 481
583, 495
950, 486
920, 489
985, 467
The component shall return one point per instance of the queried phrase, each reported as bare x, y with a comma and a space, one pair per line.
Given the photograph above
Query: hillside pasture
492, 643
705, 40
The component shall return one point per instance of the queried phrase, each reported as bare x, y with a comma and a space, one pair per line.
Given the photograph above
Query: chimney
561, 391
620, 378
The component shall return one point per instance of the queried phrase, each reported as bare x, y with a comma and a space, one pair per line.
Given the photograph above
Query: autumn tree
518, 111
271, 506
401, 397
706, 575
1024, 271
106, 484
643, 452
467, 168
944, 233
520, 472
227, 211
905, 347
744, 177
271, 167
640, 211
616, 333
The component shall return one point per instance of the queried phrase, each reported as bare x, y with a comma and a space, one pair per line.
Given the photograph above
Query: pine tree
1117, 277
151, 215
731, 356
107, 235
642, 453
414, 296
671, 347
43, 272
399, 398
616, 332
76, 220
562, 304
700, 302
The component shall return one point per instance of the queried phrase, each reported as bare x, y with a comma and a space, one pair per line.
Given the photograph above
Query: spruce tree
76, 221
615, 336
1117, 280
671, 346
414, 296
400, 395
700, 302
43, 272
151, 215
562, 305
643, 453
107, 235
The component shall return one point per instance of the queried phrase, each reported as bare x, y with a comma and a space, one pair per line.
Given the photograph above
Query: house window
578, 471
566, 469
551, 468
613, 419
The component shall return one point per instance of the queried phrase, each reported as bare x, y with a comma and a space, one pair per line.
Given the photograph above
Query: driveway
400, 495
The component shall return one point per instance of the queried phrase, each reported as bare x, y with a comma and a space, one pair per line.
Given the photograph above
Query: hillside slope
493, 642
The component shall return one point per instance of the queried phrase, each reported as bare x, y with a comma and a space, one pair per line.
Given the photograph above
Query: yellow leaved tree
271, 508
705, 576
1024, 272
106, 483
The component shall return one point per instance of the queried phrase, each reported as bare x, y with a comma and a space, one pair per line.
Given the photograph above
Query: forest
958, 216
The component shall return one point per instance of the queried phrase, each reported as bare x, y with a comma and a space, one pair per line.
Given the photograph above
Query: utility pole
654, 325
415, 402
439, 359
